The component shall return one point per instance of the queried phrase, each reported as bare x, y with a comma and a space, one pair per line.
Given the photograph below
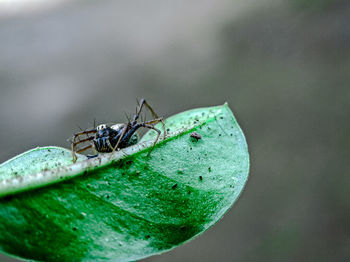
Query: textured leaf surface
37, 160
124, 206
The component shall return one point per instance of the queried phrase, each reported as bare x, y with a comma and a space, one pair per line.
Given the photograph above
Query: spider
106, 139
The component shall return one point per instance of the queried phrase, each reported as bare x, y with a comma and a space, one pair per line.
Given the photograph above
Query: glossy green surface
130, 208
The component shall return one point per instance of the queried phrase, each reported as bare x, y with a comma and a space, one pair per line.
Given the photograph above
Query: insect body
196, 136
105, 139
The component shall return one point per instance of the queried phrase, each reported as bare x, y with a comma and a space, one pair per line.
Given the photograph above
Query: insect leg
84, 148
109, 143
142, 103
75, 143
156, 140
83, 132
120, 138
156, 121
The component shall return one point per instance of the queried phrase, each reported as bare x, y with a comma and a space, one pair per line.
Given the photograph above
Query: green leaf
124, 206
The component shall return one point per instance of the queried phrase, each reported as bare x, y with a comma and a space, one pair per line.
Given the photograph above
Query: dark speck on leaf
221, 117
129, 162
183, 227
200, 178
189, 192
174, 186
209, 169
231, 134
75, 228
196, 136
219, 134
147, 237
168, 129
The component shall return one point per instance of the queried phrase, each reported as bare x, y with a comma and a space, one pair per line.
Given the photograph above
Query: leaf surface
124, 206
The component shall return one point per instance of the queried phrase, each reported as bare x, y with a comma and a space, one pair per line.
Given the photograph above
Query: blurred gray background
282, 65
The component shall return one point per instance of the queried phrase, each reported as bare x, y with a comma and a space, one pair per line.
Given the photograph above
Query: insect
106, 139
196, 136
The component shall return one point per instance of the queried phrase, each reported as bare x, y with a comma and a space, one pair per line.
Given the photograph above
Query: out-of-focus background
282, 65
